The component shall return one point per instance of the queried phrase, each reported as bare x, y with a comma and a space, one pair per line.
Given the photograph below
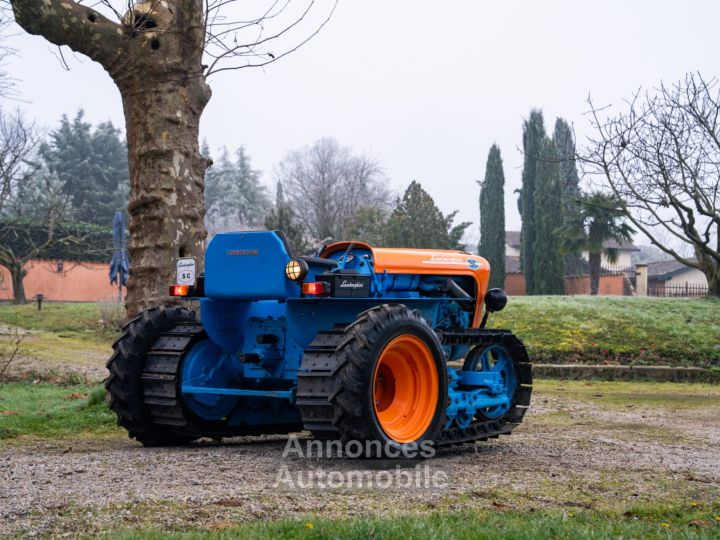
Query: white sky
424, 86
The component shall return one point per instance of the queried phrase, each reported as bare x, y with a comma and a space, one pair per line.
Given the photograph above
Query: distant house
624, 251
674, 273
512, 264
512, 243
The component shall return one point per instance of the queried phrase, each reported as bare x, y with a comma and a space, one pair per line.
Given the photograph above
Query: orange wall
609, 285
515, 285
78, 282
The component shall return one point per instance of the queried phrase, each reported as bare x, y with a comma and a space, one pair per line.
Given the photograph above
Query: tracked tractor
354, 343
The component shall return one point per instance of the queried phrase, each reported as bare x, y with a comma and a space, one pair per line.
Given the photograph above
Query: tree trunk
713, 278
155, 58
167, 181
594, 260
17, 273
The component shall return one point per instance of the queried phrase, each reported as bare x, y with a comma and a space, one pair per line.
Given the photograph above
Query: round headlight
296, 269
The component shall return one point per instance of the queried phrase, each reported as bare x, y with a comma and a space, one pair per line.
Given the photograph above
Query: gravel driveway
568, 454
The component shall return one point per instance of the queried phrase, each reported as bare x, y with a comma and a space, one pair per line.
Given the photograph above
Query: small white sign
186, 274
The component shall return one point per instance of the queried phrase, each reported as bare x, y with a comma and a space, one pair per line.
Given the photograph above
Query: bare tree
661, 158
18, 142
159, 53
326, 185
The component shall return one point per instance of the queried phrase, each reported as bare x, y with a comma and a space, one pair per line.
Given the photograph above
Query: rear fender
225, 321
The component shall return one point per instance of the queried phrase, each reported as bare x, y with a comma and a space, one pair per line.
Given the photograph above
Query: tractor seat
318, 261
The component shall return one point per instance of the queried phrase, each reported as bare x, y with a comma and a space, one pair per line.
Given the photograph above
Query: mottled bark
158, 69
595, 261
167, 180
713, 277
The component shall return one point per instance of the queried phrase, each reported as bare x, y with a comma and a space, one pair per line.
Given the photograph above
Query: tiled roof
512, 238
665, 269
624, 246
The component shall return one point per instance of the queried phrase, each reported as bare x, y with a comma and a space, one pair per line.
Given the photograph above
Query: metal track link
161, 374
316, 384
490, 429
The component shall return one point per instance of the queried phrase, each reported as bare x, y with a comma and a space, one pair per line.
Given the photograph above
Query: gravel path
567, 454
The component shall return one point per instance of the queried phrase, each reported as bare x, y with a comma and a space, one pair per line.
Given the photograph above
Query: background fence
677, 291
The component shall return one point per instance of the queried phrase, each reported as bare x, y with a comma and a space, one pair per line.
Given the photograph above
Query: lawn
642, 394
39, 411
93, 322
562, 329
700, 521
624, 330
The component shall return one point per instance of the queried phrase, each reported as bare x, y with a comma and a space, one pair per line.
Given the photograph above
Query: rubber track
160, 376
317, 387
161, 388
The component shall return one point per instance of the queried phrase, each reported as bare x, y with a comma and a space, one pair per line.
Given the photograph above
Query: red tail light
317, 288
179, 290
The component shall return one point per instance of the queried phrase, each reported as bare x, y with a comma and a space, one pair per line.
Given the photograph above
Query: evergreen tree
455, 232
367, 225
533, 140
492, 217
547, 258
234, 197
92, 165
417, 223
571, 195
282, 218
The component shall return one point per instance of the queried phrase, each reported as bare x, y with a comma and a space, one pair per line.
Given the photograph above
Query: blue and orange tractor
355, 343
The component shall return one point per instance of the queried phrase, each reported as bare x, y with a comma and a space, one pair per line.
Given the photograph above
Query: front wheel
389, 384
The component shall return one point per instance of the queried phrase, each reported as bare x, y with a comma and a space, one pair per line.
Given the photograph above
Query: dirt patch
568, 454
52, 357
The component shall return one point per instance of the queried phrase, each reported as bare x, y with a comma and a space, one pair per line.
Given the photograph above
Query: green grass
30, 411
79, 320
583, 329
562, 329
644, 522
645, 394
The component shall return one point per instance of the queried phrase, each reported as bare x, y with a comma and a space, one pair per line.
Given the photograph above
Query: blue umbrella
120, 265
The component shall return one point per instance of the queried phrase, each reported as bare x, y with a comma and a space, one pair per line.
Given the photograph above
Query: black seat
327, 263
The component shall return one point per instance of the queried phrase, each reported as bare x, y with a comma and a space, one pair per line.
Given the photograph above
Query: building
624, 251
674, 273
512, 244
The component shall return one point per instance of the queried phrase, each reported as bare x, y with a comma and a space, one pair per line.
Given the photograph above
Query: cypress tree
492, 217
571, 195
533, 137
547, 259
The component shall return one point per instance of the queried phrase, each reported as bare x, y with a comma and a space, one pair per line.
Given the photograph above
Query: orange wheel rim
405, 388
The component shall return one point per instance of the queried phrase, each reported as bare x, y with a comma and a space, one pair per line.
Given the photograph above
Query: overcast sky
423, 86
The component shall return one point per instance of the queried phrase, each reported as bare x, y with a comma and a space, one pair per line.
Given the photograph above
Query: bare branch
661, 157
93, 34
